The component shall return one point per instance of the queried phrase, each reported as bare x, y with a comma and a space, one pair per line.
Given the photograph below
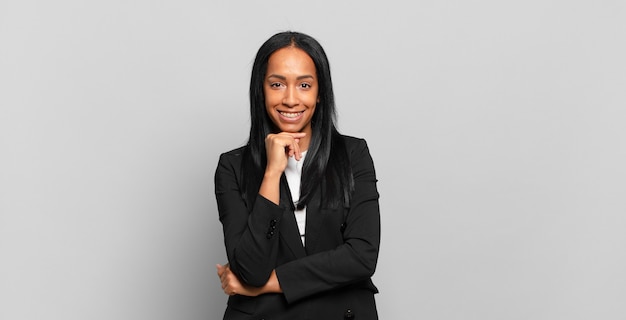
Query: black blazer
330, 277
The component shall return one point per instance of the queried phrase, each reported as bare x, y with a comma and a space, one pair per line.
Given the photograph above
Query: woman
298, 203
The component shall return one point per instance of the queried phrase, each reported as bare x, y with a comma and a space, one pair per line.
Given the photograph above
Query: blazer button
349, 314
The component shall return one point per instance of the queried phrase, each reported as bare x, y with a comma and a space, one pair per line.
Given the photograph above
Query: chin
290, 128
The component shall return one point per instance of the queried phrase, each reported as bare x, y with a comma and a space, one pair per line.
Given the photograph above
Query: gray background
497, 130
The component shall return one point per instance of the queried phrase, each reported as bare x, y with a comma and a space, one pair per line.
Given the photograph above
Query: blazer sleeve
250, 235
354, 260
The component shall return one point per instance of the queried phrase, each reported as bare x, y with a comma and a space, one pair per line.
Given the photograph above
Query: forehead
290, 60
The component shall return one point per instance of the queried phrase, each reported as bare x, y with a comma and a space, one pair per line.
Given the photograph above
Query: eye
275, 85
305, 85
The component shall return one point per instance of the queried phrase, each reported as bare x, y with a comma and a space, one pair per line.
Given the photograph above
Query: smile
291, 115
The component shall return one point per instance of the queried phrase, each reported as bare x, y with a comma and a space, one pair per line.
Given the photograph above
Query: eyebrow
306, 76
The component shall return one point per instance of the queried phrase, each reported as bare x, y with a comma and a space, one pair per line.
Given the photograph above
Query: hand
279, 147
232, 285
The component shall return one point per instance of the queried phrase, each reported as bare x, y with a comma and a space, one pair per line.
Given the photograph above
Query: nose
290, 99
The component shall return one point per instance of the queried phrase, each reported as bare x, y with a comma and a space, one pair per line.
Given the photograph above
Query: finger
224, 277
228, 290
295, 135
298, 153
289, 150
281, 141
289, 137
294, 148
291, 145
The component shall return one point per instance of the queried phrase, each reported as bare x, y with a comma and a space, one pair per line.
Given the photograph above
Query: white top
293, 173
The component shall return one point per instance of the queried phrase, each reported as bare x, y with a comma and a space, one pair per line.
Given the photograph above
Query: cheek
269, 98
313, 98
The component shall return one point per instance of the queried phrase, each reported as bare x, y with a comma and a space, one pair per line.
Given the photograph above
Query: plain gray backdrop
497, 129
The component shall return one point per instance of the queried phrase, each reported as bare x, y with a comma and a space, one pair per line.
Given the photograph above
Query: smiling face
291, 91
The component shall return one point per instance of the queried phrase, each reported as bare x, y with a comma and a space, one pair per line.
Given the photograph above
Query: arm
251, 233
354, 260
251, 253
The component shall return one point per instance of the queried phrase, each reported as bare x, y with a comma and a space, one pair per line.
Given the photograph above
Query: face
291, 90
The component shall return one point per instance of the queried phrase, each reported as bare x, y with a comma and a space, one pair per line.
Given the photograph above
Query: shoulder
237, 152
232, 157
354, 144
360, 158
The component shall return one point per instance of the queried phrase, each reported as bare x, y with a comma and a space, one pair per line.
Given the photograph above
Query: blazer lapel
289, 227
314, 221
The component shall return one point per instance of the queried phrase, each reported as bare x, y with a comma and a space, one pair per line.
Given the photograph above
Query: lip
290, 119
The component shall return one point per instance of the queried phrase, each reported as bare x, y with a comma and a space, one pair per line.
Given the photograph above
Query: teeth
290, 114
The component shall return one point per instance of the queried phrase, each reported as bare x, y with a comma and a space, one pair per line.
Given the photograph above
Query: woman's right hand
279, 147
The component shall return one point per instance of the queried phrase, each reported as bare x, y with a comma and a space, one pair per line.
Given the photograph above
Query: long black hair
326, 163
